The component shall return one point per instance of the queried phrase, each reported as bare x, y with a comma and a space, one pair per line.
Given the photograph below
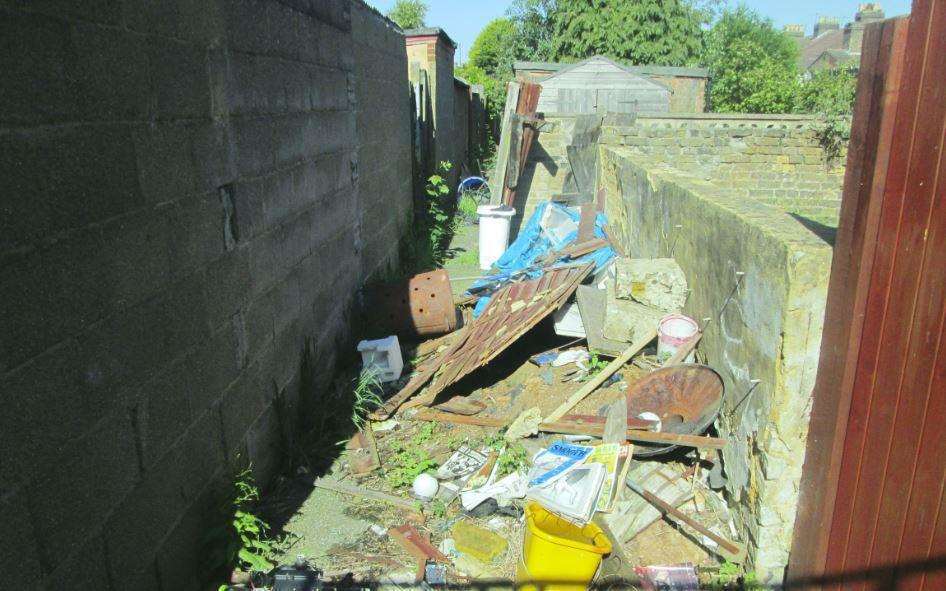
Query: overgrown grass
367, 396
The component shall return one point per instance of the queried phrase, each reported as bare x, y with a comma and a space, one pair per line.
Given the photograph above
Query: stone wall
191, 193
758, 282
774, 159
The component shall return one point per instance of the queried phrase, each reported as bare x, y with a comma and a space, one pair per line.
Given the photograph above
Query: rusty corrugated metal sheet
512, 311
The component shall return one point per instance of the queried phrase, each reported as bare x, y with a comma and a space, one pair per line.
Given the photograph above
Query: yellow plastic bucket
558, 555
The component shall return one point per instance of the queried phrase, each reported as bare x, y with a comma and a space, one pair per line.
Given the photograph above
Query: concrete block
229, 283
212, 367
84, 568
244, 401
18, 544
197, 232
162, 412
89, 478
255, 145
181, 559
50, 401
202, 446
113, 73
35, 57
146, 516
180, 79
264, 446
56, 179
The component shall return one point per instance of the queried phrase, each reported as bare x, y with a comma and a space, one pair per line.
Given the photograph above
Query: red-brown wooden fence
873, 512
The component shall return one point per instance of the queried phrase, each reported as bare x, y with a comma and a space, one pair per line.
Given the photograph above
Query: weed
244, 541
466, 208
439, 226
595, 365
406, 464
425, 433
438, 509
367, 396
512, 456
732, 576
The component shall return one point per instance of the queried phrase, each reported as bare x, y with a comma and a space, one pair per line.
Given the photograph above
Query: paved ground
463, 265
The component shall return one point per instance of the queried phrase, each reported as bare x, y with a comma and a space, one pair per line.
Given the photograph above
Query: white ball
425, 486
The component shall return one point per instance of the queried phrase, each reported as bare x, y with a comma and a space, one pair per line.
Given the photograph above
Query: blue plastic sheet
531, 245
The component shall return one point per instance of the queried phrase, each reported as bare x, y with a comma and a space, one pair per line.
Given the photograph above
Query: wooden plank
586, 225
348, 489
868, 155
571, 428
697, 441
886, 337
417, 545
599, 378
923, 327
498, 178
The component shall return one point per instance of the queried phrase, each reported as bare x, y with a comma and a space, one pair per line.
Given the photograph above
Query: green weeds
243, 542
367, 396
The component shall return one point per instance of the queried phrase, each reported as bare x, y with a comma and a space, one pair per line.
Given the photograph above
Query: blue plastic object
531, 245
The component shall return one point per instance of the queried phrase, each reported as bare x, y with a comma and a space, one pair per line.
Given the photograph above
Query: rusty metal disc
686, 397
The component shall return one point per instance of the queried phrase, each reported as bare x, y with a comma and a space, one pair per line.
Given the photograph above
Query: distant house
599, 84
830, 46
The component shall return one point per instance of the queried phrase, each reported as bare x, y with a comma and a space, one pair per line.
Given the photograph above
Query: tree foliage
533, 23
662, 32
408, 14
830, 94
752, 65
492, 49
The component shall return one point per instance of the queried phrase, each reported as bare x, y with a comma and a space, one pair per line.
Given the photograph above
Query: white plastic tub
494, 232
673, 331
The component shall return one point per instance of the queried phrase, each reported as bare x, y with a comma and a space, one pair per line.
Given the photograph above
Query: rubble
658, 283
452, 478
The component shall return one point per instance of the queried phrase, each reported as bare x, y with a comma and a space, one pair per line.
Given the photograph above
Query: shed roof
647, 70
599, 59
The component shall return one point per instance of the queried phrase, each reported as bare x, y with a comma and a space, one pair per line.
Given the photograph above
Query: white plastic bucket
673, 331
494, 232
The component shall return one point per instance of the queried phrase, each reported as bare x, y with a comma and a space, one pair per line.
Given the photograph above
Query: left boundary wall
191, 194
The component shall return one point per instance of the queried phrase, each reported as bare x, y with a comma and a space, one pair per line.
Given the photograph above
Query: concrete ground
463, 261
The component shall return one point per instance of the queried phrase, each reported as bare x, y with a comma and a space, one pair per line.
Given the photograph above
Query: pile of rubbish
545, 484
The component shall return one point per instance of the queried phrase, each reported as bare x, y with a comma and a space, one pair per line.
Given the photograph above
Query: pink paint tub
673, 331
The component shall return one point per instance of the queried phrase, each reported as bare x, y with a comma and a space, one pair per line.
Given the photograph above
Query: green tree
408, 14
662, 32
492, 49
752, 65
830, 94
533, 22
493, 87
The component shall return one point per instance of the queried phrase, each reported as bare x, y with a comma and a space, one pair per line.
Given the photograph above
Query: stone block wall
774, 159
758, 283
191, 194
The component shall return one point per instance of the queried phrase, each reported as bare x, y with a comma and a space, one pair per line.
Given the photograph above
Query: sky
463, 19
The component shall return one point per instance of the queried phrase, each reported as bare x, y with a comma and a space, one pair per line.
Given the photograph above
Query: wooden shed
599, 85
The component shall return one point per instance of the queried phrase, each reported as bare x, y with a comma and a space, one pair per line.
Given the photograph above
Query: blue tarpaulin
531, 245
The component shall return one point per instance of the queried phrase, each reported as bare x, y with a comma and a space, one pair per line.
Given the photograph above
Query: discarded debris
674, 332
416, 545
525, 425
668, 578
659, 283
478, 542
383, 356
555, 549
347, 489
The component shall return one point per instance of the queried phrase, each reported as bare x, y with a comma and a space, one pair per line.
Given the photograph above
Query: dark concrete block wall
191, 194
